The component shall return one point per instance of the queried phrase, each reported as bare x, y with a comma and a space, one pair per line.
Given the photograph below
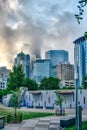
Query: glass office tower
41, 69
80, 59
56, 57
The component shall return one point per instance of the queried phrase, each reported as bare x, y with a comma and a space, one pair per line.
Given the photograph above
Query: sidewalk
44, 123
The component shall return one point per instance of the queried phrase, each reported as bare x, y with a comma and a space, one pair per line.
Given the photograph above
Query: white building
46, 99
67, 83
4, 74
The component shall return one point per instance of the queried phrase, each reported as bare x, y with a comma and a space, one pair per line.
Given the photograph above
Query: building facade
65, 73
80, 59
56, 57
4, 74
41, 69
67, 83
46, 99
24, 60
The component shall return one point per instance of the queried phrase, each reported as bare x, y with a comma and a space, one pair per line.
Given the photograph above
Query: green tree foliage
16, 78
84, 82
16, 100
85, 35
82, 4
31, 84
50, 83
3, 93
59, 99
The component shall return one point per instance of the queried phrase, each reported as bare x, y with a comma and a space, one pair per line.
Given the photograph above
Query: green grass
84, 126
25, 114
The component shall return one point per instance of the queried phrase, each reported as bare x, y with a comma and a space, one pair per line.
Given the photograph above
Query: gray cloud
36, 26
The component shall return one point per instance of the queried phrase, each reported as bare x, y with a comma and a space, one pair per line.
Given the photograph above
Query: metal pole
76, 103
78, 110
77, 117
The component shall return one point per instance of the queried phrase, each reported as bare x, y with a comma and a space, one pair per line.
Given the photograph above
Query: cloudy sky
35, 26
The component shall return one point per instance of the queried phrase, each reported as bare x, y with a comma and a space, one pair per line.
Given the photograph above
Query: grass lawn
84, 126
25, 114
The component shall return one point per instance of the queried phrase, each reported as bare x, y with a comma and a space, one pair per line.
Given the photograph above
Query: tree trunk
15, 114
60, 109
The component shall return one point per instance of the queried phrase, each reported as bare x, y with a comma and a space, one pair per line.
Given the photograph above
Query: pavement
44, 123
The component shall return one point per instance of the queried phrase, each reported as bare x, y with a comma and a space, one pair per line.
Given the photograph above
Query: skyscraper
56, 57
41, 69
24, 60
80, 59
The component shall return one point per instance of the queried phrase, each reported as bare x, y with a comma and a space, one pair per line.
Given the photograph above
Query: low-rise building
46, 98
4, 74
67, 83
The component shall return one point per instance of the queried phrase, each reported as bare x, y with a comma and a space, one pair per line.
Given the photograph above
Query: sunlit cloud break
36, 26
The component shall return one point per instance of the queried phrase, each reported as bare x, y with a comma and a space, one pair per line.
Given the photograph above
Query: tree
31, 84
84, 82
16, 78
59, 101
50, 83
15, 99
82, 4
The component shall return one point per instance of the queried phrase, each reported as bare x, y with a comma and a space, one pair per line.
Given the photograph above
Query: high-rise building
80, 59
56, 57
41, 69
65, 73
24, 60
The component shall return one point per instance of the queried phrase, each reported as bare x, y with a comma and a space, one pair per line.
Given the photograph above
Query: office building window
65, 100
41, 97
29, 97
84, 100
80, 91
48, 99
73, 97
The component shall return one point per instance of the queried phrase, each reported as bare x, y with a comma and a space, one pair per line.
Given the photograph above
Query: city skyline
36, 26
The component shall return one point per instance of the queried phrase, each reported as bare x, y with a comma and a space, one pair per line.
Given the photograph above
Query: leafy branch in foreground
82, 4
16, 99
59, 101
